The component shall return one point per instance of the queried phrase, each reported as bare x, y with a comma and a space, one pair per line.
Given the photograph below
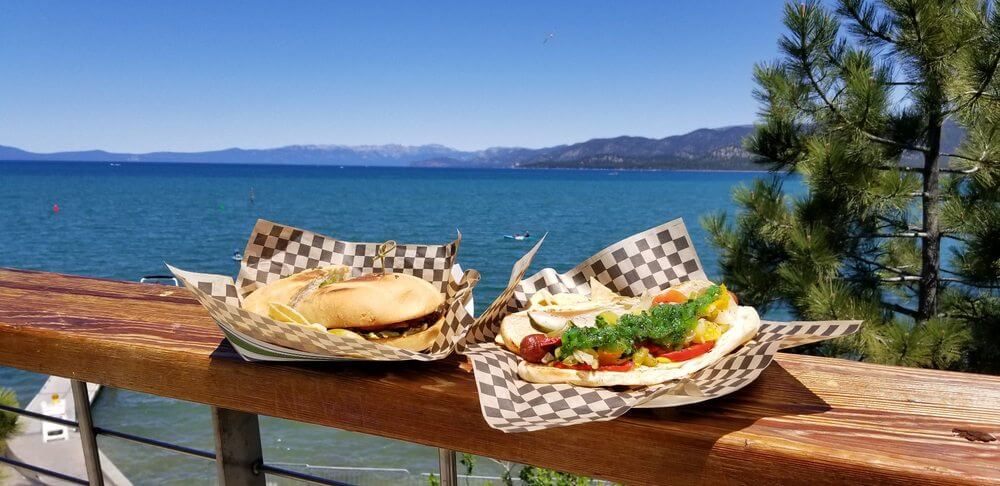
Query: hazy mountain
706, 149
380, 155
703, 149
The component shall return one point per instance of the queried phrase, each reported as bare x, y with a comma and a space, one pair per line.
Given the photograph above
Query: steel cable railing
42, 470
259, 467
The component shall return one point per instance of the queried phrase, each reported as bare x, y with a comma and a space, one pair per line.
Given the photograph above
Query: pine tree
856, 107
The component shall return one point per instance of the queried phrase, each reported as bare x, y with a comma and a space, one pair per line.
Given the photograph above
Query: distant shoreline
352, 166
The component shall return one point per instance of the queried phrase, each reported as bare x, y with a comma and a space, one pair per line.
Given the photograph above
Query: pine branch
868, 29
954, 237
904, 234
814, 83
896, 270
900, 309
901, 168
894, 224
971, 170
970, 284
977, 94
906, 168
916, 27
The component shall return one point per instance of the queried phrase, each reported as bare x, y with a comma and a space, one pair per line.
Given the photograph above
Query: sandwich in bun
395, 309
608, 340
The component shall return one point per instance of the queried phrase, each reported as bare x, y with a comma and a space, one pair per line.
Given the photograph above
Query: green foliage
9, 425
536, 476
468, 461
433, 480
860, 96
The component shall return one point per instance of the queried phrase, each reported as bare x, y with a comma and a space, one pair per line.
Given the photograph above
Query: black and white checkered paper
652, 260
275, 251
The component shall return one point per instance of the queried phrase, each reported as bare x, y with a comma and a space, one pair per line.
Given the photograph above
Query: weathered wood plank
806, 420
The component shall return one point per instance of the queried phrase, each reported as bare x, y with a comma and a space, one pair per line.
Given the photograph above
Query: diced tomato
564, 366
671, 296
654, 349
689, 352
737, 301
609, 358
624, 366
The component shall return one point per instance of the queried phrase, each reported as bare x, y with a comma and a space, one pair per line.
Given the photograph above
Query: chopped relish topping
667, 326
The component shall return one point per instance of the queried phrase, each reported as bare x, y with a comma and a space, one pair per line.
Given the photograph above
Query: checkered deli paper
275, 251
652, 260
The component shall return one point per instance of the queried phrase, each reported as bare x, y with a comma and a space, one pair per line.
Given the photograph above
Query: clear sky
191, 76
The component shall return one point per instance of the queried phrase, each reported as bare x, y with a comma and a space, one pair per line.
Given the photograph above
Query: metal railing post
448, 466
238, 455
91, 457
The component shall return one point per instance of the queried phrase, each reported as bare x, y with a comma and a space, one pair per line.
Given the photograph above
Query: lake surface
125, 221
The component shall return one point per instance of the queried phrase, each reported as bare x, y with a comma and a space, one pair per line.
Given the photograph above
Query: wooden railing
806, 420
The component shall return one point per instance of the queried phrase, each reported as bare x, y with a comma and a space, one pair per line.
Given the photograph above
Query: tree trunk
930, 253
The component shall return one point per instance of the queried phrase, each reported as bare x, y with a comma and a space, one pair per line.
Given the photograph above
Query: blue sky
145, 76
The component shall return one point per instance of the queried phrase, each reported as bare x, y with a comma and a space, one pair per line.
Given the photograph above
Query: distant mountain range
702, 149
377, 155
705, 149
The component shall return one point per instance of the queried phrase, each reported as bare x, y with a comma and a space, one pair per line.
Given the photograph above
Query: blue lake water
125, 221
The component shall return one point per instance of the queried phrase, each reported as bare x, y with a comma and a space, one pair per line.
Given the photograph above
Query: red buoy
55, 208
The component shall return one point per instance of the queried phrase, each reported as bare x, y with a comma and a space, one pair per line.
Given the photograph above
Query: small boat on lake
159, 279
518, 236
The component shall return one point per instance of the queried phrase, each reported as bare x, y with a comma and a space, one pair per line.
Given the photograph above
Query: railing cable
42, 470
156, 443
39, 416
288, 473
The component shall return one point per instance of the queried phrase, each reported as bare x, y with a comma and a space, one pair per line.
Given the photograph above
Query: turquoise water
125, 221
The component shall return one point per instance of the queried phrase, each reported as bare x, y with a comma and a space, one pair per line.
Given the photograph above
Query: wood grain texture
807, 420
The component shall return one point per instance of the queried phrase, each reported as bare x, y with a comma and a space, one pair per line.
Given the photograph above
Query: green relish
664, 325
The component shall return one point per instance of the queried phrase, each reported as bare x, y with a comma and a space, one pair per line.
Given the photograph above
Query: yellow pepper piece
640, 356
609, 317
344, 333
284, 313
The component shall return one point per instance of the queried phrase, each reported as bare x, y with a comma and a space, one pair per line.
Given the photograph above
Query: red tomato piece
564, 366
671, 296
624, 366
654, 349
609, 358
689, 352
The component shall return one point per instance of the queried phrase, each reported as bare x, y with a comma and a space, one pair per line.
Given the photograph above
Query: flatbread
743, 324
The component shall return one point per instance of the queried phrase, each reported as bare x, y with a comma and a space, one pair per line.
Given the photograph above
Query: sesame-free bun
282, 291
374, 301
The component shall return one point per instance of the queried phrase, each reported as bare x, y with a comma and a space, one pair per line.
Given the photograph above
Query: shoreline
113, 163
